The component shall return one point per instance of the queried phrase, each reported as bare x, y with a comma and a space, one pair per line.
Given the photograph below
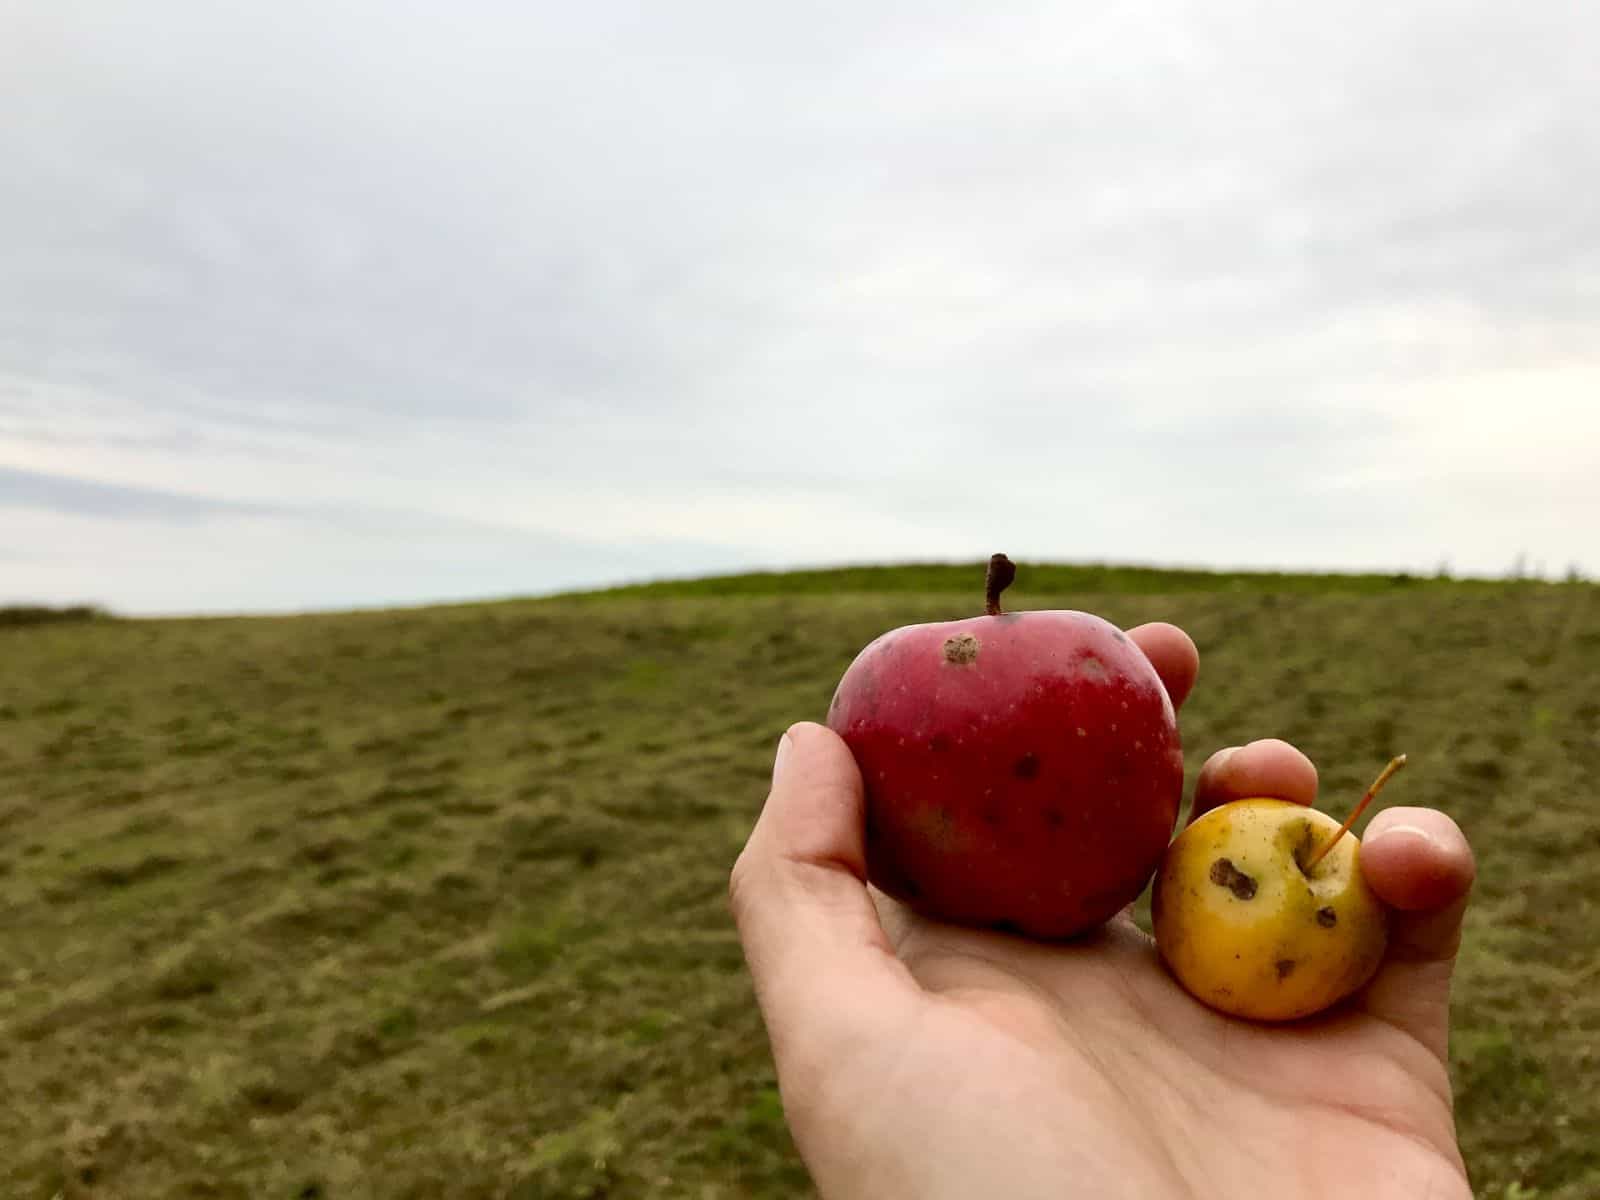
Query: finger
1419, 863
1265, 768
819, 958
1171, 652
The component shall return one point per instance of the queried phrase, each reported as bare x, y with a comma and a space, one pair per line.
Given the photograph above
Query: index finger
1268, 767
1171, 652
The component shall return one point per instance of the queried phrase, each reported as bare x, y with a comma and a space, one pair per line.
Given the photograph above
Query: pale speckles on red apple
961, 650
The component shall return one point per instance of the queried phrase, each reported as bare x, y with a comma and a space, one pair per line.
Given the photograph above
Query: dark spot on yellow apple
1026, 767
939, 743
1053, 818
1285, 968
962, 650
1327, 918
1225, 874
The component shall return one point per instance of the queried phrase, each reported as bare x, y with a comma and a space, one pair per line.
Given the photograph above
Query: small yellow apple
1261, 910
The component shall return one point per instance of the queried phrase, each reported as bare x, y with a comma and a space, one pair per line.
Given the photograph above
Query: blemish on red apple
961, 650
1225, 874
1054, 818
1026, 767
939, 827
939, 743
1326, 917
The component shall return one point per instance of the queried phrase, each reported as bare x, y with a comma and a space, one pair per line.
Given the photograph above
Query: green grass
431, 903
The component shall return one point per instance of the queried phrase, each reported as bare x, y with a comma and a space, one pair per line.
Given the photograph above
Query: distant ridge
1038, 578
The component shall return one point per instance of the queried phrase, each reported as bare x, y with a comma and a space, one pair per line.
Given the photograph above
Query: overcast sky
309, 305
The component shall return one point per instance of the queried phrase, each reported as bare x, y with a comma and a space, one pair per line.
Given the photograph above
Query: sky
309, 305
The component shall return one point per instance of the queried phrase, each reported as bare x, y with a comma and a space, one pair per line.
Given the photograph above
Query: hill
431, 903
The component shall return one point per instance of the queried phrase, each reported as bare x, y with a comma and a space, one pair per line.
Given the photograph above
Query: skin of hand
917, 1059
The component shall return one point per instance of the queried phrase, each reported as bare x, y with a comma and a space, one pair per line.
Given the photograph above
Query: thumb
822, 967
1419, 863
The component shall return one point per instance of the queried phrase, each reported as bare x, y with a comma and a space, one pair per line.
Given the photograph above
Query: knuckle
740, 886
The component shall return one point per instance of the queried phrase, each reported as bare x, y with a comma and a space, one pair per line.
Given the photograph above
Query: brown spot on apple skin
1225, 874
939, 742
1053, 818
962, 650
1026, 767
1285, 968
1327, 918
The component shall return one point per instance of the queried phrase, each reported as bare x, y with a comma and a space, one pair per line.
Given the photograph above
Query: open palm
921, 1059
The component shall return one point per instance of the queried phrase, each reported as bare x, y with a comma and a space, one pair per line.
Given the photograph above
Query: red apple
1022, 769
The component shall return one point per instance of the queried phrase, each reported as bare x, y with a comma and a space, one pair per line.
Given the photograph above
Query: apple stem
1001, 572
1377, 785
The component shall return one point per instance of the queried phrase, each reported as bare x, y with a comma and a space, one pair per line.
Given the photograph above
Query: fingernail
1415, 831
783, 752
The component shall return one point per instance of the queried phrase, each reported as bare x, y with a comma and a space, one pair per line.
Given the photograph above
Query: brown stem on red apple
1377, 785
1001, 572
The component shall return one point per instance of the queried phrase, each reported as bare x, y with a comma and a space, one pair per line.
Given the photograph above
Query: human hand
918, 1059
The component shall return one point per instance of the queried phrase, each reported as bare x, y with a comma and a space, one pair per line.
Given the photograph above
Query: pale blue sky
308, 305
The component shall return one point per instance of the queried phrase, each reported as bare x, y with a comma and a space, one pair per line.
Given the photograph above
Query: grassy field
431, 903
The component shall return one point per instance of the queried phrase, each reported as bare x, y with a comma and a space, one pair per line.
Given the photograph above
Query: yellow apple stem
1377, 785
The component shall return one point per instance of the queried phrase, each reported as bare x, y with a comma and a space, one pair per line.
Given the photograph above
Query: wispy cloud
20, 489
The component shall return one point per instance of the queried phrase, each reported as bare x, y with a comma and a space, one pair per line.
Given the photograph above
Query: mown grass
431, 903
